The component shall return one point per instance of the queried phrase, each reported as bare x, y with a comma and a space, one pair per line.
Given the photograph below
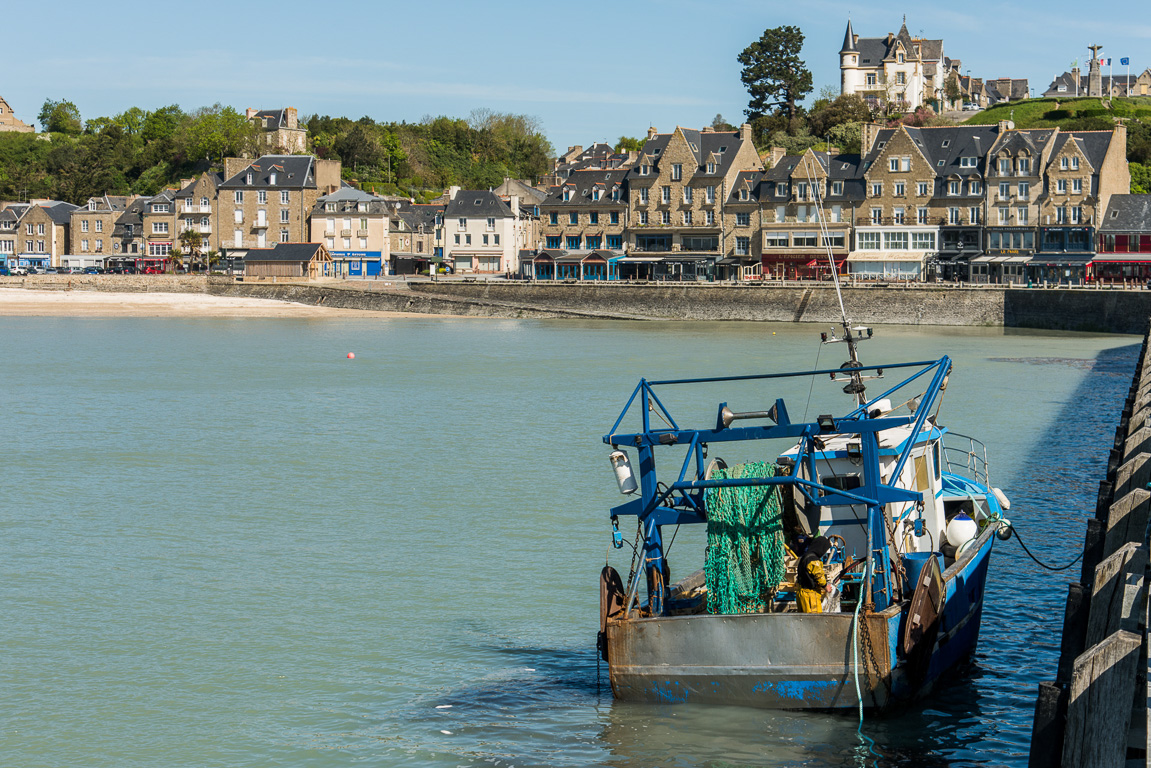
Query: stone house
128, 241
741, 256
196, 211
92, 224
354, 226
418, 230
280, 131
897, 69
158, 219
585, 214
676, 192
791, 194
898, 223
598, 156
483, 234
35, 234
270, 199
9, 121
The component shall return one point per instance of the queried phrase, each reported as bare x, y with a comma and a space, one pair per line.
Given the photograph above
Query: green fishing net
745, 555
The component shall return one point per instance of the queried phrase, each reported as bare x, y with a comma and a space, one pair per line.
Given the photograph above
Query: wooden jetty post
1095, 714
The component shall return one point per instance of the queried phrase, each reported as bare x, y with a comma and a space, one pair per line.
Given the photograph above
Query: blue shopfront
40, 260
358, 263
561, 265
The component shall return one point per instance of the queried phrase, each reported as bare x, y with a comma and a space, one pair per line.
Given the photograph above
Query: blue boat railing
968, 459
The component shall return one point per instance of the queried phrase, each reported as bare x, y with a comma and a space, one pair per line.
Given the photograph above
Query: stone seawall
911, 306
1098, 310
110, 283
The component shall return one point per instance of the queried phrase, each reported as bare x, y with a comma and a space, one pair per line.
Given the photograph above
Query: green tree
774, 74
847, 137
359, 147
60, 117
627, 144
190, 242
1140, 179
848, 108
719, 124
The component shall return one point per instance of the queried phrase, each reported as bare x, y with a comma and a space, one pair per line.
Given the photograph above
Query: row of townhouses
980, 203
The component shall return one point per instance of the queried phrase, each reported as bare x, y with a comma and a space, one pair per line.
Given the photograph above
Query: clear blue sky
590, 71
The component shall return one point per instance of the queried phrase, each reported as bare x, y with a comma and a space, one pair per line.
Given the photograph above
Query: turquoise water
226, 544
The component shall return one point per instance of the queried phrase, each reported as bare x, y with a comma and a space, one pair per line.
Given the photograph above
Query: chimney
452, 192
327, 176
889, 36
249, 113
514, 201
870, 132
651, 132
1006, 125
293, 117
745, 132
233, 165
776, 155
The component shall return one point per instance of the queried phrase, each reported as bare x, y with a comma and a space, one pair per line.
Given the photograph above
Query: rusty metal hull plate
780, 661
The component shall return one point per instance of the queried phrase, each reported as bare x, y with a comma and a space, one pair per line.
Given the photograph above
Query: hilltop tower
850, 77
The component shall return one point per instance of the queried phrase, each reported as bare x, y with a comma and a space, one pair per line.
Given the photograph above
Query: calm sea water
225, 544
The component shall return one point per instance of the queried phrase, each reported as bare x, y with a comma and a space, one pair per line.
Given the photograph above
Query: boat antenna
856, 387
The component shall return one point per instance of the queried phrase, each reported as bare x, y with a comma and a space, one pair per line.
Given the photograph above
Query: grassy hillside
1070, 114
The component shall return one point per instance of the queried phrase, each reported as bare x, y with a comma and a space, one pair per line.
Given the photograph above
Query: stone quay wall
1077, 309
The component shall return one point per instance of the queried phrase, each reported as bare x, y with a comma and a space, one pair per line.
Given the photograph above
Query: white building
483, 234
899, 69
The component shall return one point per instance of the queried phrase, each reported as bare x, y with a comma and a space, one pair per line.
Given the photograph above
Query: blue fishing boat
903, 510
905, 505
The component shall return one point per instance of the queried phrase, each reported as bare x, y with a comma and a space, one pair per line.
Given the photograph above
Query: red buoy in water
351, 355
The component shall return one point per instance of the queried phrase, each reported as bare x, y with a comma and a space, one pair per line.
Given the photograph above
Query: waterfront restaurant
576, 265
1064, 255
1124, 241
892, 255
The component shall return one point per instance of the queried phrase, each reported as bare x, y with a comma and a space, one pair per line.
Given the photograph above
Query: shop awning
1112, 258
1061, 260
1000, 260
641, 259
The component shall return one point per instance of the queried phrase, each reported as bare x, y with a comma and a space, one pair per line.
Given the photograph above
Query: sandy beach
20, 302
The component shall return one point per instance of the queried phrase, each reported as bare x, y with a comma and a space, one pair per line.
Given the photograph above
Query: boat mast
856, 388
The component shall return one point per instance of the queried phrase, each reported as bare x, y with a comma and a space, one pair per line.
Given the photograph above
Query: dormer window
595, 193
744, 194
330, 207
615, 194
711, 167
91, 205
567, 194
271, 179
644, 170
249, 177
899, 58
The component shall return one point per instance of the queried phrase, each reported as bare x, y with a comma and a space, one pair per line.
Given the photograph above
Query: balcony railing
889, 221
189, 208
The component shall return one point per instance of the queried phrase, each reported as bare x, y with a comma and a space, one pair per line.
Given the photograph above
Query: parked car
35, 271
153, 271
92, 271
970, 106
51, 271
5, 272
19, 270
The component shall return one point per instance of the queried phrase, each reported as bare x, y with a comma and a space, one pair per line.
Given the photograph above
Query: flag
1104, 62
1125, 62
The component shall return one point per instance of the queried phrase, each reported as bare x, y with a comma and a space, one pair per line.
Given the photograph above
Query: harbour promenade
1095, 712
1092, 309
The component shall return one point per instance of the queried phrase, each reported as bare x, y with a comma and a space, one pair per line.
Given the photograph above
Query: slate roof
583, 183
704, 145
292, 172
1127, 213
844, 168
134, 215
187, 191
415, 215
284, 252
279, 117
476, 203
743, 180
874, 50
1093, 145
60, 212
848, 40
1007, 89
347, 200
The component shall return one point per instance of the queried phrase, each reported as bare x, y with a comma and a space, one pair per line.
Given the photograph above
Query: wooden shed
306, 261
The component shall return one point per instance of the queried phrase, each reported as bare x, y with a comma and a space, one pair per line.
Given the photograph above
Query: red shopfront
1123, 258
806, 266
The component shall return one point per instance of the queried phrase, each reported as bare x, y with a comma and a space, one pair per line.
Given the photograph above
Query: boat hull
793, 660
